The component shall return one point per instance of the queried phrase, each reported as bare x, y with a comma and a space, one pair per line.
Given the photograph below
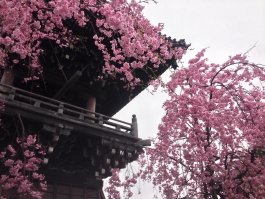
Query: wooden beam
68, 85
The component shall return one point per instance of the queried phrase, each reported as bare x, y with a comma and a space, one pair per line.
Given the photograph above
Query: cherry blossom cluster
134, 41
138, 43
22, 172
211, 140
115, 183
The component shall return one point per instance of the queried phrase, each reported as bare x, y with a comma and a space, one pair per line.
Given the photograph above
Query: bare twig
22, 140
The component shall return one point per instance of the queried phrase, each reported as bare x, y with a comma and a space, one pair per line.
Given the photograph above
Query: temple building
71, 111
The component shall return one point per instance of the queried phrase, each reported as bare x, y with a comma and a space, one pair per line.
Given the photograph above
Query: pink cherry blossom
9, 163
2, 154
210, 142
120, 24
21, 171
12, 150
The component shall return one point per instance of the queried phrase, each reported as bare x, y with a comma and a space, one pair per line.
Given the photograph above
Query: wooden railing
19, 96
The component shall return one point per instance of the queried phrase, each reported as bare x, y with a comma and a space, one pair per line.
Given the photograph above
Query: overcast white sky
228, 27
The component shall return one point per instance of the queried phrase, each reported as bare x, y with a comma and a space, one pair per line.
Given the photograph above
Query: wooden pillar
134, 126
7, 79
91, 106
